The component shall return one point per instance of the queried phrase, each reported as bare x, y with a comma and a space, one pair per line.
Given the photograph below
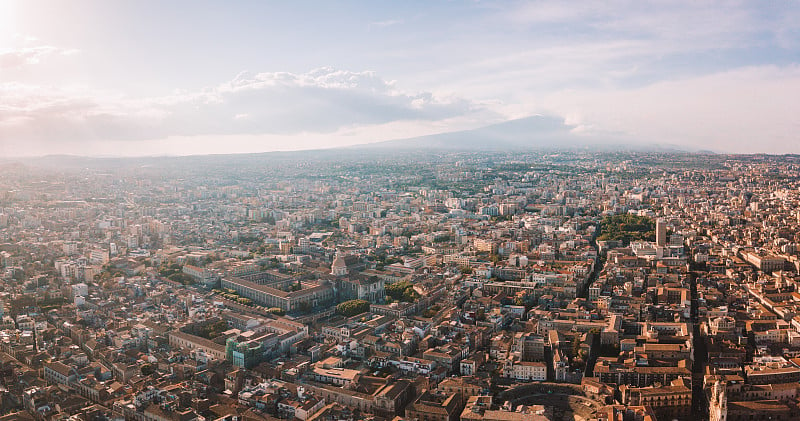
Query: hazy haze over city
107, 78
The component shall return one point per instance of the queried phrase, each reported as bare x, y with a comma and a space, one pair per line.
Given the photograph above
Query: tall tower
661, 233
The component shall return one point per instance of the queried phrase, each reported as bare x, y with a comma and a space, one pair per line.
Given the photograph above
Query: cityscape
349, 210
407, 286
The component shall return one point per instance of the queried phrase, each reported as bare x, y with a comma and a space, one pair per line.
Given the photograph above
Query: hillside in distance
529, 133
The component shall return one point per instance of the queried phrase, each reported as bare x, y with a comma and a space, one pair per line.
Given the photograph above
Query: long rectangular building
310, 295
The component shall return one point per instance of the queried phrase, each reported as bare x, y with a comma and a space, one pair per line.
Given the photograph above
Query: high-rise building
661, 233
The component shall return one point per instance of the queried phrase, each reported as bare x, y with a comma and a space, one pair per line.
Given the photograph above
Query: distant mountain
543, 133
524, 133
535, 132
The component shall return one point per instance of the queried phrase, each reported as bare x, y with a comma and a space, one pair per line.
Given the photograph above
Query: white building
80, 290
525, 370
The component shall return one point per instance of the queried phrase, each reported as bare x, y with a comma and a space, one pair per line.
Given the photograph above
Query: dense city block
368, 285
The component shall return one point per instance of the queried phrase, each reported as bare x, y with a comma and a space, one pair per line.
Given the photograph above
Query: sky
129, 78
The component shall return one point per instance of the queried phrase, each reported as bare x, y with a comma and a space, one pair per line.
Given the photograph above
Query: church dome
339, 267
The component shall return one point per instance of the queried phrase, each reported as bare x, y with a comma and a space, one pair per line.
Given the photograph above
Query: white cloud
706, 25
533, 48
751, 109
718, 76
30, 55
746, 110
385, 23
321, 101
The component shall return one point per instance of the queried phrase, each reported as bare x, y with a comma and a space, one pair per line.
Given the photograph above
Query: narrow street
699, 352
584, 292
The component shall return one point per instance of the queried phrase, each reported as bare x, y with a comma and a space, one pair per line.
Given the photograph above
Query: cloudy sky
190, 77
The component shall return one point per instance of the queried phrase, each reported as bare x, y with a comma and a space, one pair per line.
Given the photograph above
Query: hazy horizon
96, 78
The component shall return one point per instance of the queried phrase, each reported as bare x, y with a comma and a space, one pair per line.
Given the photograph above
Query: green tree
402, 291
148, 369
277, 311
627, 228
576, 346
181, 278
352, 307
213, 330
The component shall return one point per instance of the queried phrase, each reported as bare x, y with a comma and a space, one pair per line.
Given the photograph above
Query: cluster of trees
430, 312
109, 272
199, 261
579, 353
247, 239
352, 307
382, 259
212, 330
181, 278
526, 300
148, 369
51, 303
443, 239
167, 270
174, 273
263, 249
270, 264
233, 296
401, 291
627, 228
277, 311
